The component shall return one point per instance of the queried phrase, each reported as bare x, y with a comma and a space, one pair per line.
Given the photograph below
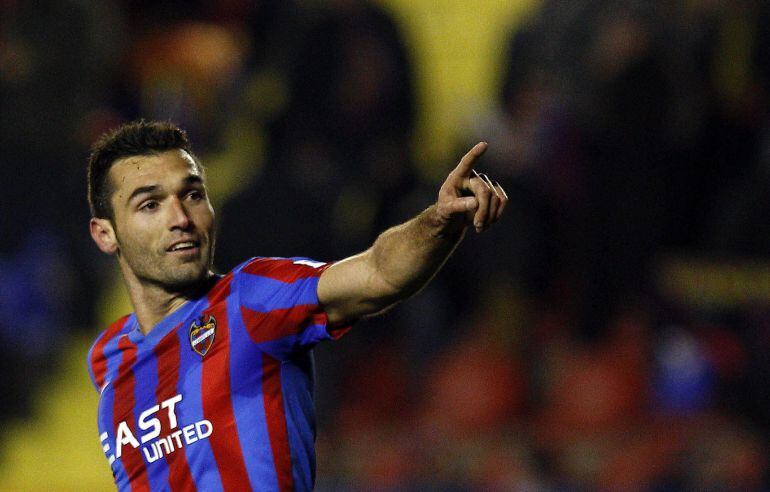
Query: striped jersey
219, 394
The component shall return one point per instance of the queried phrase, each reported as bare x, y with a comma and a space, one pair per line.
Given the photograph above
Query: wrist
442, 227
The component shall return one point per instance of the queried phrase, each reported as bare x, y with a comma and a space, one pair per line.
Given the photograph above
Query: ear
104, 235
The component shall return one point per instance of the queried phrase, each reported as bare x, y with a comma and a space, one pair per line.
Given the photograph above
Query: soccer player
208, 384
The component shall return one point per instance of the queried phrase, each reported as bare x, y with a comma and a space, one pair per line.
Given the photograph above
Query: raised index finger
464, 168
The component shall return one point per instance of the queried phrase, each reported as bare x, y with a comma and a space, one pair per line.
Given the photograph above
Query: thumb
469, 203
462, 205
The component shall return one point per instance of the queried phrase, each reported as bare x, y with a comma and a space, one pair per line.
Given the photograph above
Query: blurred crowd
632, 137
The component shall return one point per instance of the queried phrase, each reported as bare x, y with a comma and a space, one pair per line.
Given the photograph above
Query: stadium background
612, 331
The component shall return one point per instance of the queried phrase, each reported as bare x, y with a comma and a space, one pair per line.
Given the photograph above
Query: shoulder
97, 357
285, 270
264, 284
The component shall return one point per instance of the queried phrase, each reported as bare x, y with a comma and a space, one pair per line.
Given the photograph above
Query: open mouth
184, 247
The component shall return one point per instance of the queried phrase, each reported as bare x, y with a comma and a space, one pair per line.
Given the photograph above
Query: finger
494, 201
503, 201
463, 169
486, 214
466, 185
467, 204
484, 195
487, 181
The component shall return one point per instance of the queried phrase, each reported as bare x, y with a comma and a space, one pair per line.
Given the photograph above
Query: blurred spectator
55, 61
35, 290
684, 380
338, 159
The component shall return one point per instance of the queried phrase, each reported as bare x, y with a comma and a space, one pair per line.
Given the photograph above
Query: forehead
164, 170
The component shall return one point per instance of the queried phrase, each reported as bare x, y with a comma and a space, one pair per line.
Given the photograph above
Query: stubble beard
162, 270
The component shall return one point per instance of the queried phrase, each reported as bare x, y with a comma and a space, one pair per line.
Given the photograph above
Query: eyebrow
189, 180
141, 190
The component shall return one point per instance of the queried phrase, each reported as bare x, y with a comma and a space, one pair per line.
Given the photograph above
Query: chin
185, 278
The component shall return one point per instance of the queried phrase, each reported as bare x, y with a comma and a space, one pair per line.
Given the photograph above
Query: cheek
139, 233
205, 218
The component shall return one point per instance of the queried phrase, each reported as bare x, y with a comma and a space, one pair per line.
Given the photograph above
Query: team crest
202, 334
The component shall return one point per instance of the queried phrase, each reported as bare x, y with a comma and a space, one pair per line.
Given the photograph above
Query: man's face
163, 219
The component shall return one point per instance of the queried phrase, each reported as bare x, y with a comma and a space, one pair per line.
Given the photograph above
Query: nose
178, 217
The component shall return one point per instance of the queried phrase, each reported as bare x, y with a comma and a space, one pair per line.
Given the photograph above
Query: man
208, 384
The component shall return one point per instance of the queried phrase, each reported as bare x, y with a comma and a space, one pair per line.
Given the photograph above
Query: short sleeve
279, 307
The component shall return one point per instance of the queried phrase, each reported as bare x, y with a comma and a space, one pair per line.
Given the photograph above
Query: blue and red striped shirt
219, 394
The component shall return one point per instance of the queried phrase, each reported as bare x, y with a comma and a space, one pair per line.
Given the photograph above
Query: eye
196, 195
148, 206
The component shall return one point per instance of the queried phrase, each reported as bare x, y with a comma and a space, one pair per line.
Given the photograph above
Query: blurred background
612, 331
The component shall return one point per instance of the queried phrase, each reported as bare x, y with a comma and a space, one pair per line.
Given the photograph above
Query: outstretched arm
404, 258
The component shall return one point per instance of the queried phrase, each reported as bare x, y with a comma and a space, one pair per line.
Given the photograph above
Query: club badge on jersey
202, 334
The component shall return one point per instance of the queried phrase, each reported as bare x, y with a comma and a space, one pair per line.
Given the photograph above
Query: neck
152, 302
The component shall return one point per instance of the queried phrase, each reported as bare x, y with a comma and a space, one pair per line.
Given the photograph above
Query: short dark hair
136, 138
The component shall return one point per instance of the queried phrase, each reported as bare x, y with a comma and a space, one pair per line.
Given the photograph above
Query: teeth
188, 244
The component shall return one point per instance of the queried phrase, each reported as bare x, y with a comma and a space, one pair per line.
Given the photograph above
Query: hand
468, 197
